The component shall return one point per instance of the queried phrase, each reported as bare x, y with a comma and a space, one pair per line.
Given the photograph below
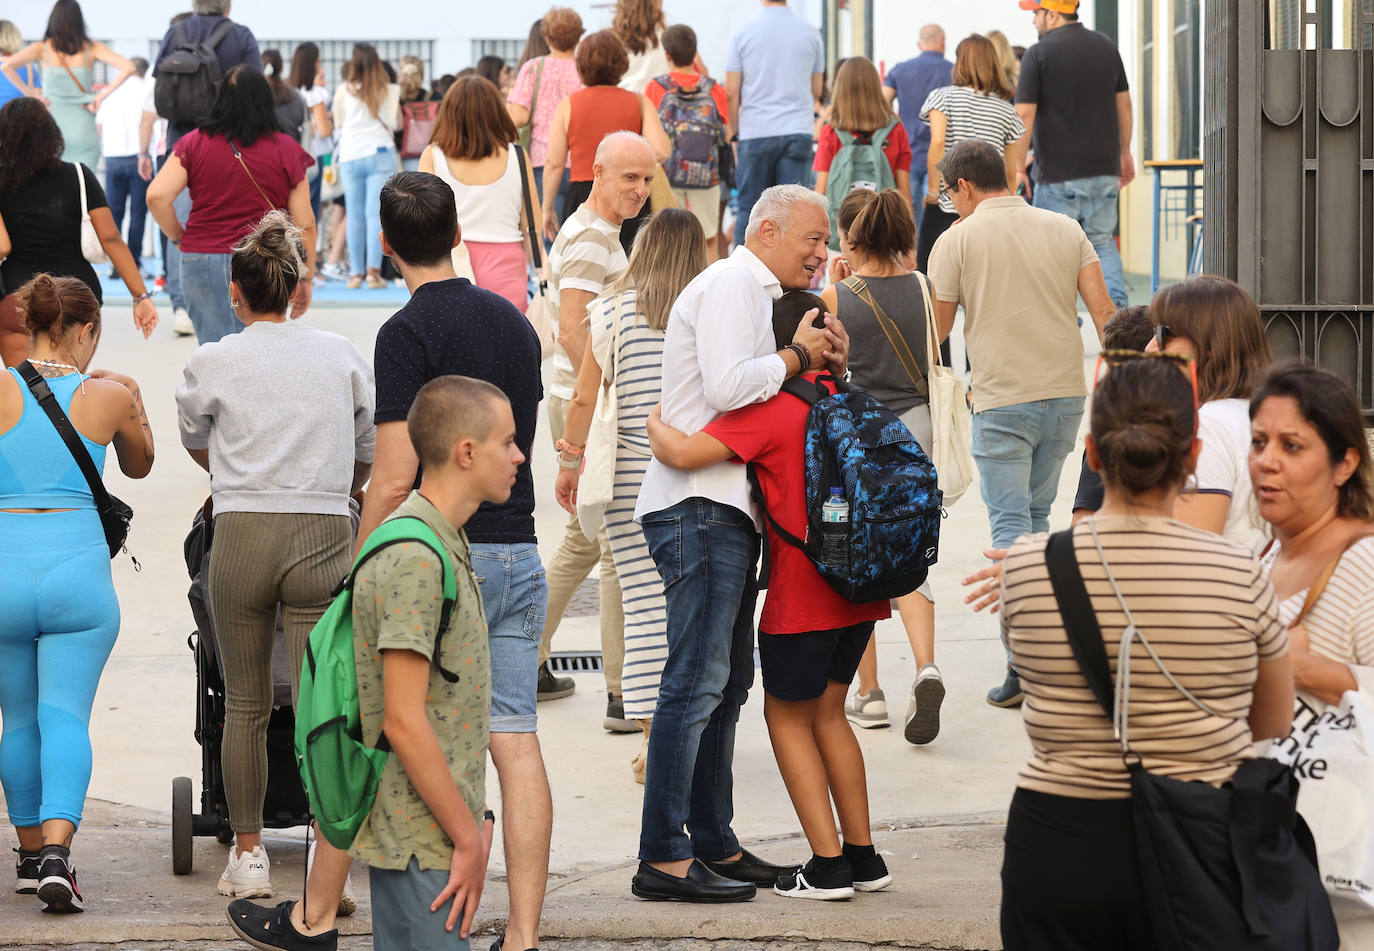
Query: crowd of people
1231, 497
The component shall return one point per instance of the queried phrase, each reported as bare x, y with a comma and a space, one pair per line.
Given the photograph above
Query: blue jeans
1020, 451
362, 184
124, 184
1092, 203
515, 597
316, 183
767, 161
171, 254
918, 190
401, 919
707, 555
205, 286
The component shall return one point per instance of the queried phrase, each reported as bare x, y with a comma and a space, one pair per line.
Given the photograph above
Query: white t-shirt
119, 115
644, 67
360, 133
1223, 468
315, 96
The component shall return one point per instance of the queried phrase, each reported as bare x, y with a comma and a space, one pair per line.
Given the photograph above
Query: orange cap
1058, 6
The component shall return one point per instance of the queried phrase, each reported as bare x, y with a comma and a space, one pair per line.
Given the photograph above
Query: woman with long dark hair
238, 166
307, 76
40, 203
288, 103
367, 113
473, 151
68, 57
59, 615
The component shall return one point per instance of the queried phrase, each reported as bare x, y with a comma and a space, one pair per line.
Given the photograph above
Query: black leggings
934, 223
1069, 879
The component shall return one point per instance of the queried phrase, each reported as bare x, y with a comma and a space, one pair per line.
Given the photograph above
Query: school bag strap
894, 335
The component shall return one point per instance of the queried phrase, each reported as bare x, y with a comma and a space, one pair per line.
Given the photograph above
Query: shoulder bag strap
1080, 621
239, 155
534, 92
81, 184
67, 431
893, 333
536, 242
1314, 593
219, 33
73, 76
933, 356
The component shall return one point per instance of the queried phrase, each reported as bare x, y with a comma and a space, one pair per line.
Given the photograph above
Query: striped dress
638, 382
970, 114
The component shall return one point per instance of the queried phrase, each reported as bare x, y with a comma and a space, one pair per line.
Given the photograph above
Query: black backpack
189, 77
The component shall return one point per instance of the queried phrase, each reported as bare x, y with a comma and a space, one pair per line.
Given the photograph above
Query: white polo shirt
718, 355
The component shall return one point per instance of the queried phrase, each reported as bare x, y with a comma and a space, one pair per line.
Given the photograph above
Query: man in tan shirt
1018, 271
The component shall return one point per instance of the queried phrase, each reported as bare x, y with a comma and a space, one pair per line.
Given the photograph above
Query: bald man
909, 83
586, 258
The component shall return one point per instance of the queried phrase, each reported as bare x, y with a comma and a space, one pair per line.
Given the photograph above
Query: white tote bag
950, 421
91, 248
1331, 754
596, 485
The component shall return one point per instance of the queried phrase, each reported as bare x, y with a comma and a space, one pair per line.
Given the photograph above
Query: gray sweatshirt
285, 410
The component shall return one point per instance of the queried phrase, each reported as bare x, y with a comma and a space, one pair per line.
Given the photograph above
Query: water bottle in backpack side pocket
835, 529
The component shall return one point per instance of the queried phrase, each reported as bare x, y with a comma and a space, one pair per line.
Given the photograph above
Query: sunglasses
1185, 363
1163, 335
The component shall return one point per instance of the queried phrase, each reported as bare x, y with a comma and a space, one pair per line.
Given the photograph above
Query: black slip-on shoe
700, 885
270, 929
750, 868
810, 882
26, 870
57, 881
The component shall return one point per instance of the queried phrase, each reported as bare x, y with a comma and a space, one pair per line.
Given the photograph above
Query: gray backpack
189, 77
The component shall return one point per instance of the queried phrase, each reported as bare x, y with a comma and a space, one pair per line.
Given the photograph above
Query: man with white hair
719, 355
910, 82
585, 258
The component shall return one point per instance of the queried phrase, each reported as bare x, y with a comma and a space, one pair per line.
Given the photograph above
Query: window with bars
508, 50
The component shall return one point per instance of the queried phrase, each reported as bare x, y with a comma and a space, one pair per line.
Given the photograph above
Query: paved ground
937, 810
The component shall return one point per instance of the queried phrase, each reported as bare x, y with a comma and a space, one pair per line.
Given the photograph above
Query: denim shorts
515, 596
401, 919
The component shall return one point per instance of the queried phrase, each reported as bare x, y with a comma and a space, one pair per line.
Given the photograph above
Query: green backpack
857, 165
339, 771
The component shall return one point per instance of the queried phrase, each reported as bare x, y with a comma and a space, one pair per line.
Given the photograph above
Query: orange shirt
594, 113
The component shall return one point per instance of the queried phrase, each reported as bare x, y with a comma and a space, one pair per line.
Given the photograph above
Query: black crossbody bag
115, 515
1232, 867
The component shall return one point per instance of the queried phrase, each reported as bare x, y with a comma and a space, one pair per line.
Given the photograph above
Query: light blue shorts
515, 597
401, 919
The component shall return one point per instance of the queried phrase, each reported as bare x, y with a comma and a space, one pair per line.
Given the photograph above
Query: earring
234, 304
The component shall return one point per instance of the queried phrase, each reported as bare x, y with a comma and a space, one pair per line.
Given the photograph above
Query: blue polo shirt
913, 79
776, 54
455, 327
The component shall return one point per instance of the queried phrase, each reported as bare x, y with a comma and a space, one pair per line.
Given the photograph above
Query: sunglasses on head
1163, 335
1184, 362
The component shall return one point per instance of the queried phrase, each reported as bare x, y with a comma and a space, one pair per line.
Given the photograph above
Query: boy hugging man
428, 836
810, 637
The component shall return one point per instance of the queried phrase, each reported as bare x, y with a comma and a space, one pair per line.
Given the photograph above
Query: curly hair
562, 28
33, 142
601, 59
638, 23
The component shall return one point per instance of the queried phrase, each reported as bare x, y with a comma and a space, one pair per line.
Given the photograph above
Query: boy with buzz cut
810, 637
428, 836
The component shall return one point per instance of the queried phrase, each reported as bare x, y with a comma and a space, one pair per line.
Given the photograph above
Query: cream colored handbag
91, 248
950, 420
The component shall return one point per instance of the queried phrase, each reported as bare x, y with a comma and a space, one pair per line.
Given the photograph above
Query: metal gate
1289, 145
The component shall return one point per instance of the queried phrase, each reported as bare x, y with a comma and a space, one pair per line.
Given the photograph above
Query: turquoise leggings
58, 621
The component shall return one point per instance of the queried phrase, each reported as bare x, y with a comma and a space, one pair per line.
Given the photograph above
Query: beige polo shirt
1015, 270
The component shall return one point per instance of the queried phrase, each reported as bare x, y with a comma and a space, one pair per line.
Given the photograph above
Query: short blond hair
11, 40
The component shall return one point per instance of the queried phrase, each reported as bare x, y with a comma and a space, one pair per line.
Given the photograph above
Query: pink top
558, 81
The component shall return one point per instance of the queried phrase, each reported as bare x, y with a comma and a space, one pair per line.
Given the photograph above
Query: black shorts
798, 667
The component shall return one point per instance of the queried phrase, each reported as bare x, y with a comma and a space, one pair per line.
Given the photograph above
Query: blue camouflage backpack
859, 163
892, 537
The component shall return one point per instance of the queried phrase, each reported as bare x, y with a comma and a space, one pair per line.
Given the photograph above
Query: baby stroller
286, 804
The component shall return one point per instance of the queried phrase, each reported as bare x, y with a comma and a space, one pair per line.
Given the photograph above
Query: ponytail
884, 226
267, 266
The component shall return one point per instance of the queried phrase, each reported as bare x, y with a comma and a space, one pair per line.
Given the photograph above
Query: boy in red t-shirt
810, 637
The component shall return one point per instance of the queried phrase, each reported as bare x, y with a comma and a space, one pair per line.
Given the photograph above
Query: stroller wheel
225, 835
181, 825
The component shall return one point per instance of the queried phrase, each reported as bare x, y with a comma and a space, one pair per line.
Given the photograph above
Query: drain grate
568, 662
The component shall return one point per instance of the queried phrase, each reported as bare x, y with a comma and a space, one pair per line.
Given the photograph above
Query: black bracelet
803, 355
489, 815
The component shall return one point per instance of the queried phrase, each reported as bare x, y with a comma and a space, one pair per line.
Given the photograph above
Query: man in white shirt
117, 121
719, 355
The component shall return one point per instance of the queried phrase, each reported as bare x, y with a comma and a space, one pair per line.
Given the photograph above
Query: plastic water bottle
835, 529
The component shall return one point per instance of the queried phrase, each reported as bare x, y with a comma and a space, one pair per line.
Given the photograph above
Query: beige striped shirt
1208, 610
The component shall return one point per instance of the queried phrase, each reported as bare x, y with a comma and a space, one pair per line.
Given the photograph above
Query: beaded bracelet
803, 355
564, 446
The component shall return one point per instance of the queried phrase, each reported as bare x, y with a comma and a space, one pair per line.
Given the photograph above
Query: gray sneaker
923, 707
553, 687
868, 711
615, 720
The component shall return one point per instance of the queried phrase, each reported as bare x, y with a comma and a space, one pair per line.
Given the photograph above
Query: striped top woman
625, 350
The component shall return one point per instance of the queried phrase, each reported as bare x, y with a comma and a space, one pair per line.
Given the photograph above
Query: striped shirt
1341, 623
638, 371
1206, 607
970, 114
586, 256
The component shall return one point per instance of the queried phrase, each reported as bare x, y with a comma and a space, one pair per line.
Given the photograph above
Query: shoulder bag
540, 308
115, 515
1231, 867
91, 248
951, 448
596, 485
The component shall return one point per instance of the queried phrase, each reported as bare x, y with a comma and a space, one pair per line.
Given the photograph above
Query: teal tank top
37, 470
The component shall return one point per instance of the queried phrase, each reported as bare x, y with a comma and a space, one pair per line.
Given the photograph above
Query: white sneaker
181, 323
348, 902
869, 710
248, 875
923, 706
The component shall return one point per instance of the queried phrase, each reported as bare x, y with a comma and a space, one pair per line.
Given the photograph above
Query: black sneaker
1008, 693
26, 868
270, 929
57, 881
808, 882
615, 720
870, 873
551, 687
